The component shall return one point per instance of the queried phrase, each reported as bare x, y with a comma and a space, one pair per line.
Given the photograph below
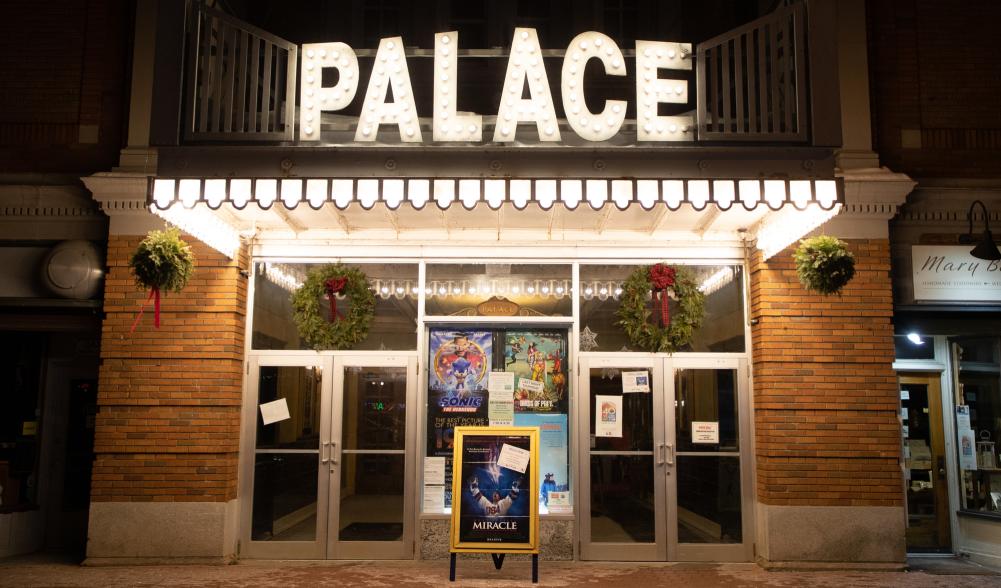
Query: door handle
660, 453
323, 452
670, 454
333, 460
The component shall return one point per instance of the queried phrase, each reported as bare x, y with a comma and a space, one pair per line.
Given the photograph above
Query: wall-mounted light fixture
986, 248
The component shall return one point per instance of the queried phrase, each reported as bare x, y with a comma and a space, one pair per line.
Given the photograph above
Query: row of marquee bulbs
291, 279
525, 66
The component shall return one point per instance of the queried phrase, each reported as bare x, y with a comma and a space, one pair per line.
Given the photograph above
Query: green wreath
669, 333
340, 332
824, 264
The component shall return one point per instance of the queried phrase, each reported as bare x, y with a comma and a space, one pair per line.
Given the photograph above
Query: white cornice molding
872, 197
122, 196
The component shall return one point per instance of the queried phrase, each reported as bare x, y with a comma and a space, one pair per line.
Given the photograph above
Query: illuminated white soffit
802, 195
197, 220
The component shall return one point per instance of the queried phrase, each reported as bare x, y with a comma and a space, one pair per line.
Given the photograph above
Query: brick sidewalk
36, 572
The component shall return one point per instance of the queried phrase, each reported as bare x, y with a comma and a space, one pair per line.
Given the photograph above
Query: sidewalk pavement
42, 571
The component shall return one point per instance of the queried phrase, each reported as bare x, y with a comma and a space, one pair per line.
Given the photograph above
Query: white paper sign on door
514, 458
434, 470
705, 432
608, 416
273, 412
635, 382
967, 449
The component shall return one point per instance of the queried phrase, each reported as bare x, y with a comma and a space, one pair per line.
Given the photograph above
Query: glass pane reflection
375, 407
300, 387
622, 499
284, 506
371, 497
637, 412
706, 395
709, 499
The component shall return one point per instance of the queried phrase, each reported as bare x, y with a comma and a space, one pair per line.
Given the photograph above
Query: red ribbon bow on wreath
332, 288
662, 278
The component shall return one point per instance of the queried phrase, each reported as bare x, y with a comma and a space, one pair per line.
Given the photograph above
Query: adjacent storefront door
665, 470
924, 464
330, 447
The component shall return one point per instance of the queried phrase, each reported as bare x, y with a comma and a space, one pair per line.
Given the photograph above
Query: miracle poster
459, 364
498, 473
538, 360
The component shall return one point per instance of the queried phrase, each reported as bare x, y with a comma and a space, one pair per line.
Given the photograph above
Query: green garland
339, 332
634, 311
162, 261
824, 264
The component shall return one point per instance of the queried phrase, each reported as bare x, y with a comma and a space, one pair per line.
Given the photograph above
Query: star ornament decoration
588, 339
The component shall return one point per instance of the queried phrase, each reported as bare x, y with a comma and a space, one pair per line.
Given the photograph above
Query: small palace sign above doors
389, 100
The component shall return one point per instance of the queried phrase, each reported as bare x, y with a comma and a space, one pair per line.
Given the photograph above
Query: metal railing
240, 80
752, 81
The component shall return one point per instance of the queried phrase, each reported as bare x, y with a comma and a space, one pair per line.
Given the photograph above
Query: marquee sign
389, 99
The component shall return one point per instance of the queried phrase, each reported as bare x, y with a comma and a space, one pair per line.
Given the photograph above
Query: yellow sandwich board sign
495, 484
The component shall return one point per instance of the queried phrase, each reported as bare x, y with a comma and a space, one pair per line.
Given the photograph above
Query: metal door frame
325, 544
281, 549
658, 550
333, 444
666, 546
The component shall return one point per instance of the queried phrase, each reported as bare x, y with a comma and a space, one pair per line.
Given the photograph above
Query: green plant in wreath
339, 331
824, 264
668, 334
163, 262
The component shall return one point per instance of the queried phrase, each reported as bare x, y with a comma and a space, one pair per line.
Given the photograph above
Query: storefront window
978, 422
498, 377
498, 290
913, 346
722, 327
394, 325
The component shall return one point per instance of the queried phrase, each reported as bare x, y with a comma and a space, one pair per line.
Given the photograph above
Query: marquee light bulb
590, 44
468, 126
331, 98
403, 103
651, 56
534, 73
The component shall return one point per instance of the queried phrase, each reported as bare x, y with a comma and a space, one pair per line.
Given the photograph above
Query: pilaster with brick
167, 431
827, 436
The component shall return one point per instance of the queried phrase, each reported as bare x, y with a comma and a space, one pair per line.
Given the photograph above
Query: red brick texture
168, 428
825, 394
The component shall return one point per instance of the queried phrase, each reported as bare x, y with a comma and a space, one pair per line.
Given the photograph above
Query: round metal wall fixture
73, 269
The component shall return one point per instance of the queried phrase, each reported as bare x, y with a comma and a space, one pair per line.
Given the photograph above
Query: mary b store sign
948, 273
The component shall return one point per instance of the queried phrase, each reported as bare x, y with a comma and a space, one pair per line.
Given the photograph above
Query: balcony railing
240, 80
752, 81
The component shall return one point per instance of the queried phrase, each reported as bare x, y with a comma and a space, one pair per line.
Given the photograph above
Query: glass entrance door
666, 471
326, 469
368, 457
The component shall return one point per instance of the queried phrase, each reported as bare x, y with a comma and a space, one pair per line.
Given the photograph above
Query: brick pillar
168, 429
827, 437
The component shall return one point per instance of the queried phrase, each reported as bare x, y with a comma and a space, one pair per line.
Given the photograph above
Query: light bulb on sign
402, 107
538, 108
651, 56
317, 57
590, 44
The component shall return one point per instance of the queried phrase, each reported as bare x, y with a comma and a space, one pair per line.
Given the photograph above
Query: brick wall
64, 69
826, 429
935, 77
168, 426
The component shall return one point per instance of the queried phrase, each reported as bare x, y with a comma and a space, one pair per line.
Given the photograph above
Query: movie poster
457, 389
553, 451
538, 360
497, 489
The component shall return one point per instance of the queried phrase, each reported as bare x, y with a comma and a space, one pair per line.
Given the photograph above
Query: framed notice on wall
495, 502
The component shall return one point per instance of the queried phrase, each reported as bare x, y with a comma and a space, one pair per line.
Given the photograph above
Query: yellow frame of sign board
533, 491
